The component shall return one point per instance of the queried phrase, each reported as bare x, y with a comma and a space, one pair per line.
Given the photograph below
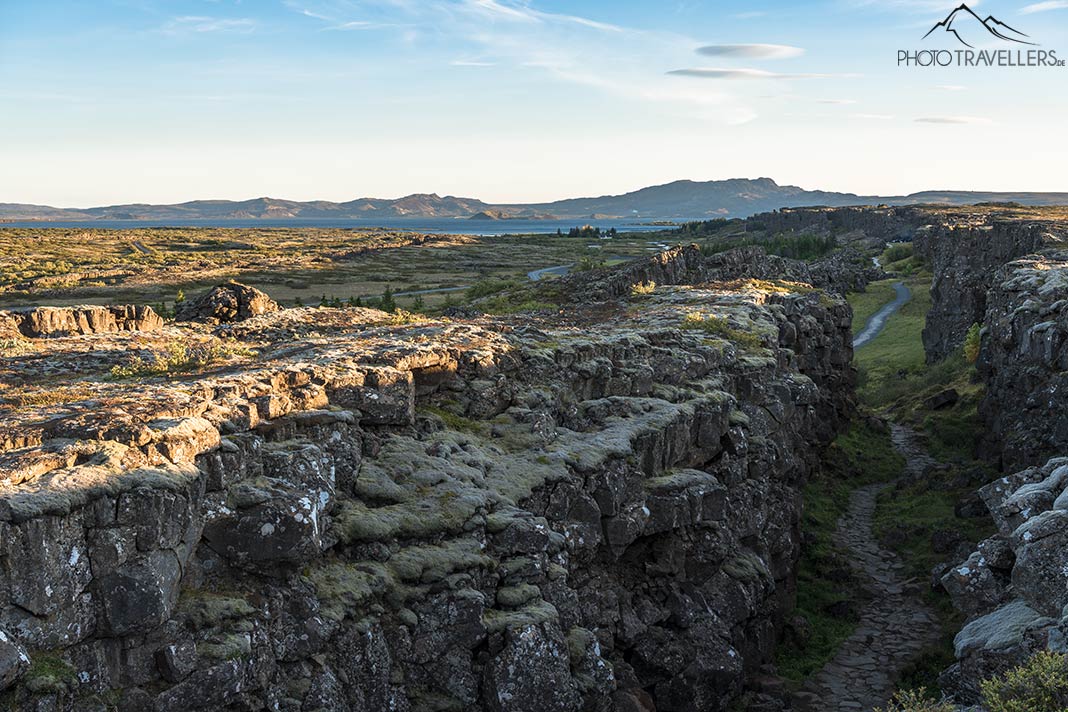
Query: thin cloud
839, 102
751, 51
735, 74
873, 117
196, 23
951, 87
751, 15
1044, 7
471, 63
953, 120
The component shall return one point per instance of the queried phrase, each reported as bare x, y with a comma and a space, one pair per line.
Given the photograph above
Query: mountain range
738, 197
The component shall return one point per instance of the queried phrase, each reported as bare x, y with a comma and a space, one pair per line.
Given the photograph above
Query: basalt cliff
594, 509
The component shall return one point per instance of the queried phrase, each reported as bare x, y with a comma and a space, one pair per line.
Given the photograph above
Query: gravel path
894, 626
878, 320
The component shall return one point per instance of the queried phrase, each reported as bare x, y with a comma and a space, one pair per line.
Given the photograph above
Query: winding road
877, 321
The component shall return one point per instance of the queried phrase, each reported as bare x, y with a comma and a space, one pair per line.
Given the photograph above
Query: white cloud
751, 51
951, 87
196, 23
873, 117
746, 73
839, 102
953, 120
1044, 6
471, 63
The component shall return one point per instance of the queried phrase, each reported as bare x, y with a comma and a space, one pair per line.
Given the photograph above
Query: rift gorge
298, 469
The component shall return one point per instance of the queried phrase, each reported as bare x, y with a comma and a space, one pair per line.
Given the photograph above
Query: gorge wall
593, 511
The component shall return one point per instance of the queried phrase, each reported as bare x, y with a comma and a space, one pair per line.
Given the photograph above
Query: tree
418, 304
179, 297
388, 303
297, 302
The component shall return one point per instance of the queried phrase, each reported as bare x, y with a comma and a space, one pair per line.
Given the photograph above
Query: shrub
971, 343
182, 358
642, 289
897, 252
718, 326
1039, 685
915, 701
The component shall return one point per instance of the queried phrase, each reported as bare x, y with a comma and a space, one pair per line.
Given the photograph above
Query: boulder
227, 303
13, 660
942, 399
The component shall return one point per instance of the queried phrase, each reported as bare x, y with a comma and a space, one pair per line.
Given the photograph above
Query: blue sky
510, 100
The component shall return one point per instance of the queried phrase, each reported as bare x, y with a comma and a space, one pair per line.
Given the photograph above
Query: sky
162, 101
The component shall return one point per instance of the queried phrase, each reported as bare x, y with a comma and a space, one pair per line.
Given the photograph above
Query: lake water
452, 226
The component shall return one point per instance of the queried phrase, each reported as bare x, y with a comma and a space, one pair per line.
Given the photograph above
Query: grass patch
862, 455
899, 347
865, 304
718, 326
181, 357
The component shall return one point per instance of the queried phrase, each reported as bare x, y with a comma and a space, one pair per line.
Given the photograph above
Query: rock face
842, 271
964, 260
1024, 360
42, 322
226, 303
1013, 588
503, 516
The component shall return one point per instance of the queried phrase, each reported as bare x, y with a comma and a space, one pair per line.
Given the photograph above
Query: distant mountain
965, 25
684, 199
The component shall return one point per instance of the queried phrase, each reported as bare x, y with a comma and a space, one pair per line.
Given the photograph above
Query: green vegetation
866, 304
183, 358
860, 456
642, 289
972, 342
718, 326
1039, 685
897, 252
916, 701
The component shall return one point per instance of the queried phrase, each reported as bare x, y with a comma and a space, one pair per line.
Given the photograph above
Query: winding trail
895, 624
877, 321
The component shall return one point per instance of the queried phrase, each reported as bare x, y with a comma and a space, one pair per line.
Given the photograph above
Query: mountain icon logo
963, 23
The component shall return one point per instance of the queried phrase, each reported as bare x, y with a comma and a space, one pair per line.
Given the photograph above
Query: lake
452, 226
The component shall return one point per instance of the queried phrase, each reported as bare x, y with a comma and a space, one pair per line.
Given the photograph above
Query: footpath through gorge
895, 624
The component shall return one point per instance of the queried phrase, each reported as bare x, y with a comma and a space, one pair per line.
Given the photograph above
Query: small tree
388, 304
418, 304
179, 297
297, 302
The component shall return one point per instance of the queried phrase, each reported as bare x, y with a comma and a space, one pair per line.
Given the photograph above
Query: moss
434, 562
206, 609
440, 510
48, 674
227, 646
536, 613
453, 421
747, 567
517, 596
718, 326
346, 589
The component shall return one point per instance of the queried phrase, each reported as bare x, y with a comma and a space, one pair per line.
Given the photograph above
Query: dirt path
894, 625
877, 321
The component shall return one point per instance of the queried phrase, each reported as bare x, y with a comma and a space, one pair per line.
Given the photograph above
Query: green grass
865, 304
899, 346
860, 456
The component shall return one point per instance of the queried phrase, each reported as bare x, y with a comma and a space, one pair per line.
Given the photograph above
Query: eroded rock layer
592, 513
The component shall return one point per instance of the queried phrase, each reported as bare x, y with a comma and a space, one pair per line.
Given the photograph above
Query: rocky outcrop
42, 322
1013, 587
1024, 360
226, 303
964, 259
501, 516
881, 224
841, 271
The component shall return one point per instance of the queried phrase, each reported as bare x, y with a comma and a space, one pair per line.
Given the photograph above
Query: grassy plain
60, 266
